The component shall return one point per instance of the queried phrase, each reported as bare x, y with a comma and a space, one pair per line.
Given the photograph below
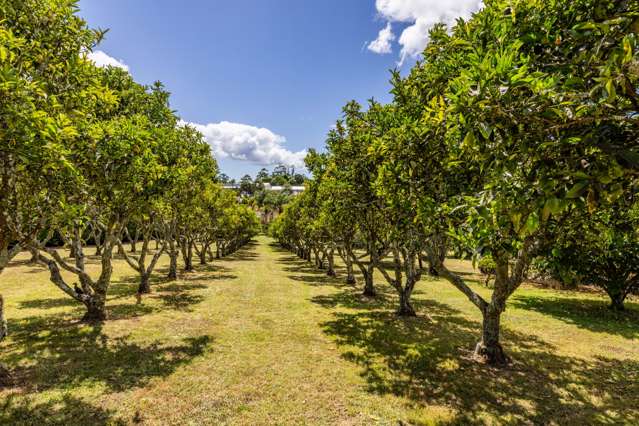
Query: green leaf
485, 130
552, 206
610, 88
516, 220
469, 140
627, 49
585, 26
532, 223
577, 190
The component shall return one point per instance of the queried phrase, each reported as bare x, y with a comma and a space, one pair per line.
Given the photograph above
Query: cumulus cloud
382, 44
249, 143
422, 15
101, 59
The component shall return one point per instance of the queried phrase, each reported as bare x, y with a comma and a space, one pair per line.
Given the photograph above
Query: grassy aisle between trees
262, 338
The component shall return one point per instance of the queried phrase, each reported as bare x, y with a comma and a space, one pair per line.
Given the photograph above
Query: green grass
262, 338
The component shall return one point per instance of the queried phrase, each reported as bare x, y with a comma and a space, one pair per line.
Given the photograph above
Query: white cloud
422, 15
382, 44
101, 59
249, 143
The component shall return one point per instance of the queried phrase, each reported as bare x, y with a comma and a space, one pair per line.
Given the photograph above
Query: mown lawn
262, 338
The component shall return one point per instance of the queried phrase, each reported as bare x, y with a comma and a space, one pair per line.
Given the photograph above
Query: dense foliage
518, 124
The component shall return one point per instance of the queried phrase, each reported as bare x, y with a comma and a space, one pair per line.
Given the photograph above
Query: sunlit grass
263, 338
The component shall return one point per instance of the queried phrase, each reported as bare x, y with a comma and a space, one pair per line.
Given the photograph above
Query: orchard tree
530, 109
118, 164
337, 217
602, 249
43, 85
190, 169
349, 144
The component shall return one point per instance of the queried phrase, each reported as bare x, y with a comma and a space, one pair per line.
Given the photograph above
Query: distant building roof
268, 187
278, 188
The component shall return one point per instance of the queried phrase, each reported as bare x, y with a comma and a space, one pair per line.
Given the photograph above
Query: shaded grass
589, 314
560, 375
263, 338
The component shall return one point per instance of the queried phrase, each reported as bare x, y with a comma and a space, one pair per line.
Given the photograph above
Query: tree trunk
98, 244
134, 248
145, 285
188, 258
5, 375
173, 256
369, 286
489, 349
432, 271
350, 276
96, 309
319, 261
617, 302
405, 307
331, 265
3, 322
205, 247
34, 256
79, 259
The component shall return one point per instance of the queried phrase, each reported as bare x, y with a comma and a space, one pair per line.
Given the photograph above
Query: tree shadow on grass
175, 295
50, 303
64, 411
69, 355
180, 300
209, 272
428, 361
588, 314
247, 252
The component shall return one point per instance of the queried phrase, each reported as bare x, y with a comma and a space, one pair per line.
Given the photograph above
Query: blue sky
265, 80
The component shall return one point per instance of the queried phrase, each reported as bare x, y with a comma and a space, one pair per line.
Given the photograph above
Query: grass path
262, 338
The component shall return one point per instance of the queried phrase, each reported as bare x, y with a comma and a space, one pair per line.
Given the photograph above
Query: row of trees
281, 175
516, 136
259, 192
91, 155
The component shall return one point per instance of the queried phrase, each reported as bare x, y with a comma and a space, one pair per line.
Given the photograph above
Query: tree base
351, 280
144, 287
406, 312
493, 355
6, 378
94, 316
369, 292
617, 307
331, 273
